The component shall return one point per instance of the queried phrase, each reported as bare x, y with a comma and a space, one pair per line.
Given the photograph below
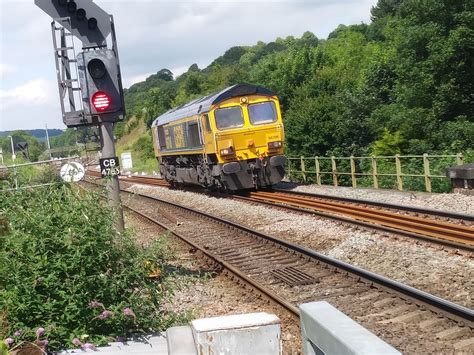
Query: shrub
64, 268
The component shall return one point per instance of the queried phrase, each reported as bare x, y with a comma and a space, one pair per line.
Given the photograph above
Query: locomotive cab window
261, 113
161, 137
229, 117
194, 139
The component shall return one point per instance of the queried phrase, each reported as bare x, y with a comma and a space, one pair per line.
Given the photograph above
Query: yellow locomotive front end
231, 140
249, 140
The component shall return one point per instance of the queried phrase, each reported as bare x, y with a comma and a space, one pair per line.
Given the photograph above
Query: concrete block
181, 341
326, 330
155, 345
251, 333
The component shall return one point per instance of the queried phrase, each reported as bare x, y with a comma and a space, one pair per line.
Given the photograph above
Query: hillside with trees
401, 84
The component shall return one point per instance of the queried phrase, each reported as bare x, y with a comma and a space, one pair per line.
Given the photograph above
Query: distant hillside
37, 133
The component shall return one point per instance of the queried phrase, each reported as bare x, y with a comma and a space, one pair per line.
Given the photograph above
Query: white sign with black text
109, 166
127, 163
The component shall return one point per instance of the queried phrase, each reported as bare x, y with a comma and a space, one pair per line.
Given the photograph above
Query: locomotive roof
204, 104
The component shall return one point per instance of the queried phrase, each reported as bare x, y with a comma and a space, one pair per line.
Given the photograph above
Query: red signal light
101, 101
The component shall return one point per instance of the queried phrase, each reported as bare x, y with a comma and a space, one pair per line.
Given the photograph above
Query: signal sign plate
109, 166
72, 172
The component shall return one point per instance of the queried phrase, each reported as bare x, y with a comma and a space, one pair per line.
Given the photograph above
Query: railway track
448, 233
386, 217
411, 320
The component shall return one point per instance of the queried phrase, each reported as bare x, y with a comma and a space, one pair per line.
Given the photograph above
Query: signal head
101, 101
81, 14
92, 23
96, 68
71, 6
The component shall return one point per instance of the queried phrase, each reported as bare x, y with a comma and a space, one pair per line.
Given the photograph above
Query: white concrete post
326, 330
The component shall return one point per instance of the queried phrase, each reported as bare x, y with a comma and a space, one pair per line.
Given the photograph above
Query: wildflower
95, 304
76, 342
39, 332
128, 312
120, 339
44, 343
88, 346
105, 314
9, 341
18, 333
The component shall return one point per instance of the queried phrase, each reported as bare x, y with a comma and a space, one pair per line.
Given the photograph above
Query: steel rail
363, 224
215, 259
224, 265
429, 211
451, 309
426, 211
448, 234
432, 228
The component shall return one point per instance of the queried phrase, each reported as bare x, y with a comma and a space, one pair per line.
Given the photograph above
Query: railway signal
89, 83
100, 83
87, 21
94, 96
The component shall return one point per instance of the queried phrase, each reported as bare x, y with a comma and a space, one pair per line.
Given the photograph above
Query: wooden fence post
318, 171
398, 168
459, 159
334, 170
426, 172
375, 177
353, 170
303, 172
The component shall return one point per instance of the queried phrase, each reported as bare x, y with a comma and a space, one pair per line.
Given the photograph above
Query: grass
138, 143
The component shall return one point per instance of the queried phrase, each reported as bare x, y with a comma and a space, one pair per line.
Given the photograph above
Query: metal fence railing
417, 172
34, 174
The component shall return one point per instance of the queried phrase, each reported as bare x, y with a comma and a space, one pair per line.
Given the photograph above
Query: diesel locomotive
230, 140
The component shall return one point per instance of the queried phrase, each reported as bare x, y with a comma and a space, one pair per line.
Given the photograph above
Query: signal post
89, 83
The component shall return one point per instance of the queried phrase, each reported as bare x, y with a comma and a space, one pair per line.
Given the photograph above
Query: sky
151, 35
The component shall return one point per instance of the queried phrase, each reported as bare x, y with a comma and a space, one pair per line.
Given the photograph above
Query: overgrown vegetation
67, 274
402, 84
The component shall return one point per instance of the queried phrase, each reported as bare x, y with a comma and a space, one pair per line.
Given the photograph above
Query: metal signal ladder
64, 56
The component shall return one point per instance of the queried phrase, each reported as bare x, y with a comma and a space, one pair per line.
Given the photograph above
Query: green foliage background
402, 84
59, 251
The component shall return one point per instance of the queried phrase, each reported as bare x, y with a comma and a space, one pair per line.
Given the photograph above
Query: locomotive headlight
227, 151
274, 145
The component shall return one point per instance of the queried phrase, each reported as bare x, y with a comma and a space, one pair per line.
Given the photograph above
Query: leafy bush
144, 147
64, 268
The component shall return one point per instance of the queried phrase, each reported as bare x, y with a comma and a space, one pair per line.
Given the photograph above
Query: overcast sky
151, 34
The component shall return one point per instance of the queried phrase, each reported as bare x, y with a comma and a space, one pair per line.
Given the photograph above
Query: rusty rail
451, 234
456, 233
